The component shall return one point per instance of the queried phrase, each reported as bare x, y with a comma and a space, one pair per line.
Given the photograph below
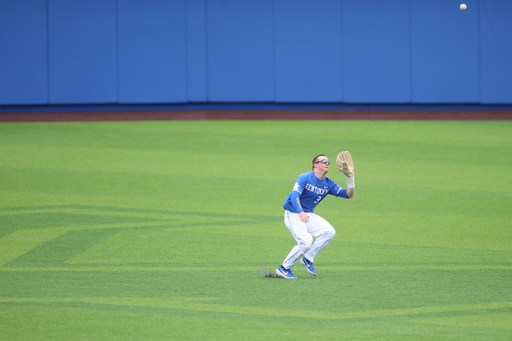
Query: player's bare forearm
351, 192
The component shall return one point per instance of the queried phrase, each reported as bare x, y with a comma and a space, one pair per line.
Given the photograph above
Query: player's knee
305, 245
304, 248
330, 233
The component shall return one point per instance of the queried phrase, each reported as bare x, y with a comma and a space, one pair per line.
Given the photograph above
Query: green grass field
161, 230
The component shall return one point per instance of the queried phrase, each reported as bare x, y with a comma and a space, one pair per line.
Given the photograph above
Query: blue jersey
309, 190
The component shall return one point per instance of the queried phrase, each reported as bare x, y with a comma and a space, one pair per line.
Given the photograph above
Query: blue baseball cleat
308, 265
282, 272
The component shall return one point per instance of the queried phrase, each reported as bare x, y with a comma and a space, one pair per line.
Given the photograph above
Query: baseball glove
344, 163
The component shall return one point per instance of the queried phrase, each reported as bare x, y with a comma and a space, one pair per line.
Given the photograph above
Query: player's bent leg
321, 242
324, 233
304, 239
292, 257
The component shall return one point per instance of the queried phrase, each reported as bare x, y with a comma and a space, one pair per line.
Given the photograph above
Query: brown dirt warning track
477, 115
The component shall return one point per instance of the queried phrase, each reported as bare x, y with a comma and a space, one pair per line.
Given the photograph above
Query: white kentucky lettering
316, 190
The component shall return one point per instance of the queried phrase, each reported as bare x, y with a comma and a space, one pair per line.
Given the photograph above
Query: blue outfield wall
82, 51
188, 52
151, 65
23, 52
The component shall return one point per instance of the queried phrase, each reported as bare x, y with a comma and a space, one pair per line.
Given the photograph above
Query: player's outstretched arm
345, 164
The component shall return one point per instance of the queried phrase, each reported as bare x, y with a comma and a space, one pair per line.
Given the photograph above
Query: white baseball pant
303, 233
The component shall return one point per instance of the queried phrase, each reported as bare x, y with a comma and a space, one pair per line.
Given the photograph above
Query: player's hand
304, 217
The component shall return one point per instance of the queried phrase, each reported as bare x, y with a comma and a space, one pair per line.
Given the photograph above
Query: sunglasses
324, 161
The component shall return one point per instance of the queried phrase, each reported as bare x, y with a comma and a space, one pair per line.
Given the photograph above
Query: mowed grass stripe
90, 212
180, 216
22, 241
191, 304
87, 211
494, 320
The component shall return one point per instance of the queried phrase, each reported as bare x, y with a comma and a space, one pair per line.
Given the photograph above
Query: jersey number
318, 200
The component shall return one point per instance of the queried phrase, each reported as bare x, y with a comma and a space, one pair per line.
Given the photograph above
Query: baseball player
299, 217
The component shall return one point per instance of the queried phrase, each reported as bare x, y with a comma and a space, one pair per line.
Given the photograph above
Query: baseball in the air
463, 7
